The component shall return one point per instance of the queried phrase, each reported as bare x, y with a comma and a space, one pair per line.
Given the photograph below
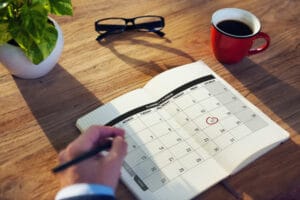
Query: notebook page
161, 163
187, 134
238, 131
114, 109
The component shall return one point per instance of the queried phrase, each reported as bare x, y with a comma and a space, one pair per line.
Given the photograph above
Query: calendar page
186, 130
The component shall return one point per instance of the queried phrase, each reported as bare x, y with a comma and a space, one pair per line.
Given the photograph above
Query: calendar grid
183, 129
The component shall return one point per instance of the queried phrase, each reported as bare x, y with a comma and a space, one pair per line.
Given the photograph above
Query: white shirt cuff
84, 189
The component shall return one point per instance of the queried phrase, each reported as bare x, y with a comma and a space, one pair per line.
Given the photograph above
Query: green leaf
48, 41
34, 19
44, 3
5, 35
4, 13
33, 52
29, 47
39, 50
4, 3
61, 7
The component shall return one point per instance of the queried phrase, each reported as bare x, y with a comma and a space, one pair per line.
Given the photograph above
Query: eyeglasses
149, 23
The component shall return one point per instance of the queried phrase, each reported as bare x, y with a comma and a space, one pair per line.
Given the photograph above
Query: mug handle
267, 39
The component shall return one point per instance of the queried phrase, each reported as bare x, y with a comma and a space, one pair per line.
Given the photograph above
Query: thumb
119, 149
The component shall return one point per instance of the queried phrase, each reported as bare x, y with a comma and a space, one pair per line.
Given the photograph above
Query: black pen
107, 145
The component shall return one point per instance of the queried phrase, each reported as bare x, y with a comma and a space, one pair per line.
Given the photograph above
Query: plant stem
29, 3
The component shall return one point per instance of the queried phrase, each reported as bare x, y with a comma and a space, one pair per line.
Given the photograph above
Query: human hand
99, 169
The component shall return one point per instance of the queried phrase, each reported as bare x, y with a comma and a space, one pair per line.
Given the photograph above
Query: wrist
80, 189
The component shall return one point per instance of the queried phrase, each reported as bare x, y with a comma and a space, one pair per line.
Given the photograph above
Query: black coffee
234, 27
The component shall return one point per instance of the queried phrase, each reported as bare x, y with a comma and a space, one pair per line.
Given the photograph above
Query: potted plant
30, 41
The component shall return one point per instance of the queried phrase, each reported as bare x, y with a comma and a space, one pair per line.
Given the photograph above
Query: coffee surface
235, 27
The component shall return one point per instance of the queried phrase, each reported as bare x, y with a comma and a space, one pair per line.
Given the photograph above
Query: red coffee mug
233, 32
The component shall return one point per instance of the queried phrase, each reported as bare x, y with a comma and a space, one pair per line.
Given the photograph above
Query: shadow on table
274, 176
139, 38
279, 166
282, 98
57, 100
277, 172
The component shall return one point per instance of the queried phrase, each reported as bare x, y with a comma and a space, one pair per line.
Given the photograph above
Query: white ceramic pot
19, 65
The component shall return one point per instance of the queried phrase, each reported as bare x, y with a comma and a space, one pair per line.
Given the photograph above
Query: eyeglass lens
113, 25
148, 23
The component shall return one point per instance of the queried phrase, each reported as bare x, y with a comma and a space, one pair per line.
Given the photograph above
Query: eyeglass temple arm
159, 33
101, 36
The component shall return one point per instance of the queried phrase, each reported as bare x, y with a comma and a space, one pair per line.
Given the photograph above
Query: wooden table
38, 116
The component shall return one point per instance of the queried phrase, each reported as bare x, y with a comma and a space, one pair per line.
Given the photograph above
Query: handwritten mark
212, 120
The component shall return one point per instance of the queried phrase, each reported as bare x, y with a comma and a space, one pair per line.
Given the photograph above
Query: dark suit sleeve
91, 197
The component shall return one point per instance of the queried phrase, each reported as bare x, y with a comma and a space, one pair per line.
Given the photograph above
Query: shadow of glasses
140, 40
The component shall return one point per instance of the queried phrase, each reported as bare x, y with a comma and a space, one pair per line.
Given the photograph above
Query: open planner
186, 129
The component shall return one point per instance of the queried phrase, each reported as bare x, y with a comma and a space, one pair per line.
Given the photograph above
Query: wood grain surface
38, 116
